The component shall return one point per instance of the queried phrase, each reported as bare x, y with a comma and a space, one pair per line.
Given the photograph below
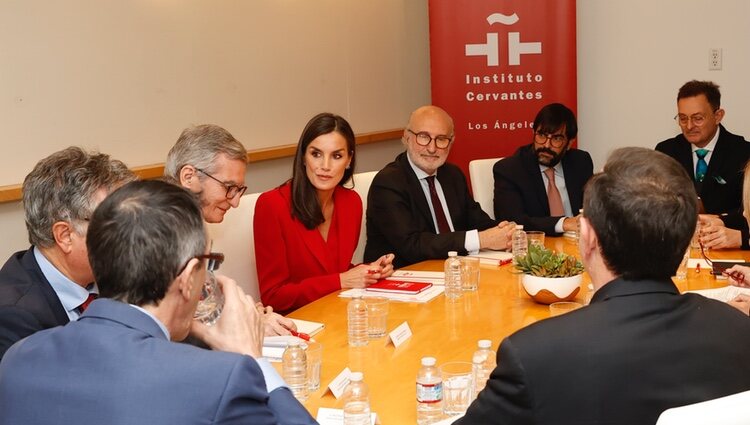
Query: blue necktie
701, 167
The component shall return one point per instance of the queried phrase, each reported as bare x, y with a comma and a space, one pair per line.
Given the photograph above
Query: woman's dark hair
305, 204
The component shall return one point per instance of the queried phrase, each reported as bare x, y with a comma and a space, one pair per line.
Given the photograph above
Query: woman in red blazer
307, 229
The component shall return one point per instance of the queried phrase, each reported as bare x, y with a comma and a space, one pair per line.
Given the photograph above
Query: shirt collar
418, 171
71, 294
711, 145
158, 322
557, 167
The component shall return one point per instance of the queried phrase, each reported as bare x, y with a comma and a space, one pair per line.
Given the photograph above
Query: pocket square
720, 180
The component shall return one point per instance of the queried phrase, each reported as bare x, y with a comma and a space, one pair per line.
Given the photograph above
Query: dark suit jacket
399, 219
520, 193
296, 266
721, 190
638, 349
115, 366
27, 301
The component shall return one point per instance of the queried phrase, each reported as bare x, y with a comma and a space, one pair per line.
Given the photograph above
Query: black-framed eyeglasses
556, 140
232, 189
423, 139
214, 260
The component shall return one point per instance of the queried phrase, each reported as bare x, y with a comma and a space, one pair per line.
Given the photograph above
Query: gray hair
141, 237
199, 146
62, 187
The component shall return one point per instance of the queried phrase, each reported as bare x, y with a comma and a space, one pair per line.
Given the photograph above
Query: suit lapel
718, 157
32, 268
451, 196
415, 189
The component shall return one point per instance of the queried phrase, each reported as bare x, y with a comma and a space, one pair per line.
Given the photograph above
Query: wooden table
448, 331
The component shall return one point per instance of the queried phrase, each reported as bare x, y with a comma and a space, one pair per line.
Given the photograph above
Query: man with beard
541, 185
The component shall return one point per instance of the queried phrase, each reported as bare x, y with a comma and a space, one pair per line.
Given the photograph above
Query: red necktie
85, 305
553, 195
442, 222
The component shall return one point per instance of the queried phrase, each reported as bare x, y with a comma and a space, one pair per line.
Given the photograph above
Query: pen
504, 262
697, 267
301, 335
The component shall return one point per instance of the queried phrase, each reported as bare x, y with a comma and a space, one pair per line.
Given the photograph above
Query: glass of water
212, 301
457, 387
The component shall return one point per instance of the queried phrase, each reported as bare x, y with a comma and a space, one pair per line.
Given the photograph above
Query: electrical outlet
714, 59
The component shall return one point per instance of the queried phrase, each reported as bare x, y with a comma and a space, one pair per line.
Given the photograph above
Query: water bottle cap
355, 376
428, 361
452, 253
484, 343
519, 226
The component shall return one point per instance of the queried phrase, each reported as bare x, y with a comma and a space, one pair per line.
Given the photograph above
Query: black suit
721, 189
520, 193
638, 349
399, 219
27, 301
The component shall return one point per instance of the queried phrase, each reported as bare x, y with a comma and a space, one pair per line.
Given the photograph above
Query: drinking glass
457, 387
314, 360
377, 314
557, 309
470, 273
211, 302
535, 237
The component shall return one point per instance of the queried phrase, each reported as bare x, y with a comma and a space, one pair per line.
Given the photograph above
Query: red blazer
295, 265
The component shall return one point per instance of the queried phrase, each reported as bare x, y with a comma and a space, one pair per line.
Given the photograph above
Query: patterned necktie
701, 166
85, 305
553, 195
442, 222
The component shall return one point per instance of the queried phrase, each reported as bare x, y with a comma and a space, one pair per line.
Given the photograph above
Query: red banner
494, 64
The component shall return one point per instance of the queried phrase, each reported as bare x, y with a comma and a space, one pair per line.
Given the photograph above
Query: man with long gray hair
51, 283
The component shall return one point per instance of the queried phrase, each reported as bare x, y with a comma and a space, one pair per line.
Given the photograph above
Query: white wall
633, 56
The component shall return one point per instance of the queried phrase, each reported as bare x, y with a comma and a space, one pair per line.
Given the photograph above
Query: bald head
427, 124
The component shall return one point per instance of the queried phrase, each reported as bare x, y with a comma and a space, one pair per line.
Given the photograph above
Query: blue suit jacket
115, 366
27, 301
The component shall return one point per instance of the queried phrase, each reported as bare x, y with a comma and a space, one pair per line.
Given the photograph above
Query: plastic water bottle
520, 245
483, 363
356, 401
294, 369
357, 310
453, 284
429, 392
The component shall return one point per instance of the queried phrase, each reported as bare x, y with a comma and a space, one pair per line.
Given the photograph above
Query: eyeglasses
214, 261
232, 189
424, 139
555, 140
697, 119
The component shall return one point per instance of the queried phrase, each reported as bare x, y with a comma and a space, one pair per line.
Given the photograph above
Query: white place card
400, 334
327, 416
339, 383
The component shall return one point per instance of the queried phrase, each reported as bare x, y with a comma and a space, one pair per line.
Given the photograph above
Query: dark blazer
27, 301
115, 366
638, 349
296, 266
721, 190
399, 219
520, 193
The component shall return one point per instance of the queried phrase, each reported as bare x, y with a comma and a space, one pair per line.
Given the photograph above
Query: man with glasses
51, 283
117, 364
419, 207
715, 159
541, 185
211, 163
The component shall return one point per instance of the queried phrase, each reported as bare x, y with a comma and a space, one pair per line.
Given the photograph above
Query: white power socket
714, 59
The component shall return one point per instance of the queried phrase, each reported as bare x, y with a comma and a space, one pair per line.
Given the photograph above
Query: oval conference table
448, 331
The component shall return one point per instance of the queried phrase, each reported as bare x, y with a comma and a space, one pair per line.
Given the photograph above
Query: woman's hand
366, 274
738, 275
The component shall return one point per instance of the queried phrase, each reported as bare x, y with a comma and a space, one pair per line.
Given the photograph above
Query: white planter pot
548, 290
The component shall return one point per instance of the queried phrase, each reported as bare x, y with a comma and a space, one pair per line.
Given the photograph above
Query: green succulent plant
540, 261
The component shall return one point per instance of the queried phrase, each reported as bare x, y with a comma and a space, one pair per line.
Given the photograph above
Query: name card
400, 334
327, 416
339, 383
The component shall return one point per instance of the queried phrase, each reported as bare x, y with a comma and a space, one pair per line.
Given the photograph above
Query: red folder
399, 287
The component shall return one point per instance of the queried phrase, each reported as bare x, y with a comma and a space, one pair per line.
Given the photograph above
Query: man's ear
188, 176
588, 241
185, 281
62, 232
